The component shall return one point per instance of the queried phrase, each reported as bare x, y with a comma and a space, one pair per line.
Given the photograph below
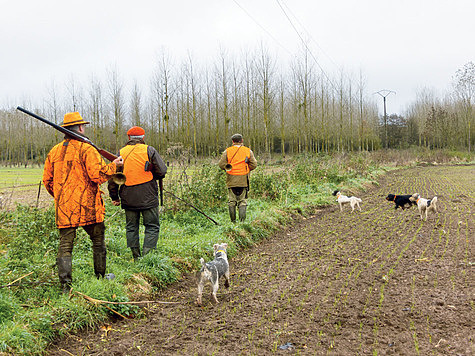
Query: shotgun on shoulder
118, 177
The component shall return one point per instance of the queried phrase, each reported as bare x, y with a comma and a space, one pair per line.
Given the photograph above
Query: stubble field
378, 282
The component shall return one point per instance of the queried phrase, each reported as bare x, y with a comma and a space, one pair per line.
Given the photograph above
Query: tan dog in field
424, 205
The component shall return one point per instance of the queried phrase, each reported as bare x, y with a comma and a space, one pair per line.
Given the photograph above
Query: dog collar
338, 194
418, 199
395, 197
221, 251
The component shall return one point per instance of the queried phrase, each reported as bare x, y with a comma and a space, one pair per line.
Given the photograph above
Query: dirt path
378, 281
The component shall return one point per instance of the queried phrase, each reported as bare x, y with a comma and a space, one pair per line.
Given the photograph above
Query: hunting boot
65, 267
99, 258
146, 250
232, 212
135, 253
242, 213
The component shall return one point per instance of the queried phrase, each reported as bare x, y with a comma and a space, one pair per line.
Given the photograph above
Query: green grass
17, 176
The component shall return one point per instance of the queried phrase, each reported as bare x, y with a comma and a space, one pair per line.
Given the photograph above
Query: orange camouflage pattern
73, 174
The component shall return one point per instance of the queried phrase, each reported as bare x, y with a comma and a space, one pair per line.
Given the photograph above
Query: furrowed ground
379, 282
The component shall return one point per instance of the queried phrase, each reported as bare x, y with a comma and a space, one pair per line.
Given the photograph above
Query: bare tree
224, 94
265, 69
465, 91
117, 105
136, 105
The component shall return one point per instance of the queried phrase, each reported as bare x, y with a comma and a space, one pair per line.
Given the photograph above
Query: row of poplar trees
191, 110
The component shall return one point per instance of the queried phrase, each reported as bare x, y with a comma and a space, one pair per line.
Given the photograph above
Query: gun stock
106, 154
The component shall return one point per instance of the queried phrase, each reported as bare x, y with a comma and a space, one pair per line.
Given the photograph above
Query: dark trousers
66, 243
152, 227
237, 199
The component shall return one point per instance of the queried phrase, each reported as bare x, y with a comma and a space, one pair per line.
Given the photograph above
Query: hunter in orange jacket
73, 172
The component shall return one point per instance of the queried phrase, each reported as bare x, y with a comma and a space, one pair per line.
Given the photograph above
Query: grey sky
403, 45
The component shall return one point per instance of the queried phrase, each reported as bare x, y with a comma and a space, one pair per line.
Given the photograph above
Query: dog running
343, 199
424, 205
401, 200
212, 271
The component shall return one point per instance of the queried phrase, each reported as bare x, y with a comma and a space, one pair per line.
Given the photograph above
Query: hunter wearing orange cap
73, 173
139, 194
238, 161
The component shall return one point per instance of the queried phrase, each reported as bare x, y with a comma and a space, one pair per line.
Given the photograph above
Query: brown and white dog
424, 205
343, 199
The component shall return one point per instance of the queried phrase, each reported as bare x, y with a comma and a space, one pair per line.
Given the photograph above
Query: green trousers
65, 249
237, 197
152, 228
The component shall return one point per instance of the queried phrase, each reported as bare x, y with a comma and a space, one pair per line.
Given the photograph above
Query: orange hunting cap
136, 131
73, 118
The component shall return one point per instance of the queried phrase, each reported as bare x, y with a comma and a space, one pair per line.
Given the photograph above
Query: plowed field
378, 282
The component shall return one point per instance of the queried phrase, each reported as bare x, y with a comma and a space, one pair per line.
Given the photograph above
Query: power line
262, 27
309, 34
303, 42
321, 49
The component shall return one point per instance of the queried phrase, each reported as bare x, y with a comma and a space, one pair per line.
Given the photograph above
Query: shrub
269, 186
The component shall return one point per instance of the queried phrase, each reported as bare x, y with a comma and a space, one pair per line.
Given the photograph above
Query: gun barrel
73, 134
57, 127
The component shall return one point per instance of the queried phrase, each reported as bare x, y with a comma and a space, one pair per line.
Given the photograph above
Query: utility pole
384, 93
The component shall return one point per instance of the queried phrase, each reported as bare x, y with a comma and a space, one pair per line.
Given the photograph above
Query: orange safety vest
134, 157
237, 158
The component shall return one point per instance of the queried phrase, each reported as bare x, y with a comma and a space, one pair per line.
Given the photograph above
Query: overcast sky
399, 45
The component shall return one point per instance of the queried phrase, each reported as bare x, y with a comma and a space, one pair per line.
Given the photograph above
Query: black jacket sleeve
158, 167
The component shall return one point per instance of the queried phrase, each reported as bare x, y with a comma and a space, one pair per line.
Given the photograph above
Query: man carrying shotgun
139, 195
73, 173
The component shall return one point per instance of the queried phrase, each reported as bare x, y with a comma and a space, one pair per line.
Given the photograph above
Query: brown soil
380, 281
29, 196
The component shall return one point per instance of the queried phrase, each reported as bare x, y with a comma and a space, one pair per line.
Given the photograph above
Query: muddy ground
380, 281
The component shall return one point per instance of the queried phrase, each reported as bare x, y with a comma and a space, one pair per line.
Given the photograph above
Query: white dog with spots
343, 199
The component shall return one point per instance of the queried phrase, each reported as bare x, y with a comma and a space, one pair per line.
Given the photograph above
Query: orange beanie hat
136, 131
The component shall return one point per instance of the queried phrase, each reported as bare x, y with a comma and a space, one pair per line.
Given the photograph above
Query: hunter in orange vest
138, 196
237, 160
73, 174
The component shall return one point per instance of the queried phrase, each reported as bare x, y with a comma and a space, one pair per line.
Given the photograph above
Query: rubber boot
99, 263
242, 213
146, 250
65, 267
135, 253
232, 212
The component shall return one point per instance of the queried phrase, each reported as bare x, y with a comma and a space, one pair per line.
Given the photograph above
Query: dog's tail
433, 200
203, 265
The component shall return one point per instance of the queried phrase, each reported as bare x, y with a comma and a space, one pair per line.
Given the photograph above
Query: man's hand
116, 202
119, 162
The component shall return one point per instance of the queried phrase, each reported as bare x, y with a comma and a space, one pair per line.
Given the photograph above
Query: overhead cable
262, 27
